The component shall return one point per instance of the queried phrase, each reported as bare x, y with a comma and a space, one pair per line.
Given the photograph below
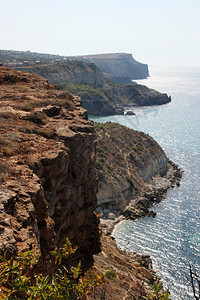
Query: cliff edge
48, 182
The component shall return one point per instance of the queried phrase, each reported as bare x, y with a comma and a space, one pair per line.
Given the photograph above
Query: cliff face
120, 67
48, 183
70, 71
99, 95
134, 172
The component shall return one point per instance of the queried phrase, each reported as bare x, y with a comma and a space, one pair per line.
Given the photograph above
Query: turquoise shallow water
173, 237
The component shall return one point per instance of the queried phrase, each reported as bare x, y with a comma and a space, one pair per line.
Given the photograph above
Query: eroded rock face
134, 172
48, 182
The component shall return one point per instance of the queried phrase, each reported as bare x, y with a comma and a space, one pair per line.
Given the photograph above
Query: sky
156, 32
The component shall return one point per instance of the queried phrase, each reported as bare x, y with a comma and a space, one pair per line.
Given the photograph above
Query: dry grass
4, 171
37, 118
6, 115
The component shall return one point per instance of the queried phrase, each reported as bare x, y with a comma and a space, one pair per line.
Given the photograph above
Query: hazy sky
157, 32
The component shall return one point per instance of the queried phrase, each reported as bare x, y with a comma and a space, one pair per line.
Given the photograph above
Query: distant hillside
99, 95
120, 67
13, 58
60, 73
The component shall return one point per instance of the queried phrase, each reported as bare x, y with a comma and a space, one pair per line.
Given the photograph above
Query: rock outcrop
120, 67
134, 173
48, 182
99, 95
126, 273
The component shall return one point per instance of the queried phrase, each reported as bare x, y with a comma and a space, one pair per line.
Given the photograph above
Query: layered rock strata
134, 173
48, 182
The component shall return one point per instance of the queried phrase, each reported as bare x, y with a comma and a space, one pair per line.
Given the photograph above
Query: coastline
140, 206
134, 271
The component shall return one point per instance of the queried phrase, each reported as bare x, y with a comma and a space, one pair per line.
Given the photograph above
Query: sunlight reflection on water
172, 238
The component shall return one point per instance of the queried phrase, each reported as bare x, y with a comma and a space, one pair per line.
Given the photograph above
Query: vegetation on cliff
20, 279
85, 91
99, 95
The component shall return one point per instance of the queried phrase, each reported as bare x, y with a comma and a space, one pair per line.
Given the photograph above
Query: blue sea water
172, 239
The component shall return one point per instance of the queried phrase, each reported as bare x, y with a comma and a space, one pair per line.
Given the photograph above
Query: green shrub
104, 147
100, 126
157, 295
109, 168
19, 281
111, 274
137, 149
81, 89
99, 165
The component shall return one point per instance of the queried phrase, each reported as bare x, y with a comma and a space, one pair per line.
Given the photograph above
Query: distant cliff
99, 95
120, 67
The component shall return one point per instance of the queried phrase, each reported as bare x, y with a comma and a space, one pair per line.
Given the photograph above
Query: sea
172, 238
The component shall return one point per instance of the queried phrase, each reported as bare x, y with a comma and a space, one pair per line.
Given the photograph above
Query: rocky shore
140, 206
135, 176
132, 273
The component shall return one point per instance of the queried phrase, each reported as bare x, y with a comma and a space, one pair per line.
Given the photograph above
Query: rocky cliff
48, 183
99, 95
120, 67
134, 172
